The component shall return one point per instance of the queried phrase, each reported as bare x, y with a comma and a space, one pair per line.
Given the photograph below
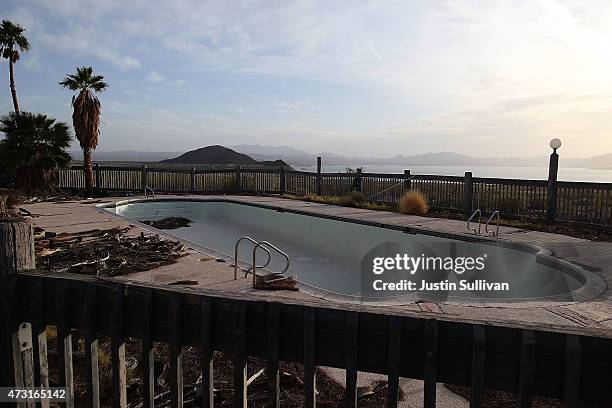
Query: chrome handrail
496, 232
147, 188
479, 221
236, 267
261, 245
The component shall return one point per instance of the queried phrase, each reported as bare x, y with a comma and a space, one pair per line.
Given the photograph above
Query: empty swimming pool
335, 256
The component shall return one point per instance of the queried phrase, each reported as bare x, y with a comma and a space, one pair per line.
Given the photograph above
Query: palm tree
86, 115
11, 41
34, 147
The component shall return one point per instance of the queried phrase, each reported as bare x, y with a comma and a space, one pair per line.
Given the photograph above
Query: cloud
32, 61
419, 76
83, 41
154, 76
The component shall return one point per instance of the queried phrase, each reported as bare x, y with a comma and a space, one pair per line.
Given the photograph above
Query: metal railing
479, 213
236, 260
266, 246
496, 216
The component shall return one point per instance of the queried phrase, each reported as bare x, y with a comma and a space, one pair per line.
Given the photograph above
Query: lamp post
553, 168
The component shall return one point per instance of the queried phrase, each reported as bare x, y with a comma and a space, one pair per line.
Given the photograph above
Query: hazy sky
373, 78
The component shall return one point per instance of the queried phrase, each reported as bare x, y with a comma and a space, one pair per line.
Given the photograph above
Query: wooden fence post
468, 188
553, 167
358, 181
193, 179
318, 182
144, 179
98, 177
16, 254
238, 187
407, 181
283, 182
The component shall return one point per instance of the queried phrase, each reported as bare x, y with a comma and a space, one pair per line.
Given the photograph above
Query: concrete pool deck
596, 257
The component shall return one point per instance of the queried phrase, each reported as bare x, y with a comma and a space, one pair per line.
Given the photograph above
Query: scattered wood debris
169, 223
275, 281
109, 252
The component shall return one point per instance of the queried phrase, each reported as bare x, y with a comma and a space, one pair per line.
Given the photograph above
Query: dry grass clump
354, 199
413, 203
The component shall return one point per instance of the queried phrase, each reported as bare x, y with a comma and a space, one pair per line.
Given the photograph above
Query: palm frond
12, 39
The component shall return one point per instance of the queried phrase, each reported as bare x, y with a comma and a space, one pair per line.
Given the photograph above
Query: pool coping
593, 286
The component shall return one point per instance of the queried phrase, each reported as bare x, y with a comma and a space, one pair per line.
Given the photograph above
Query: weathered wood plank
16, 254
239, 360
176, 353
478, 366
118, 348
527, 369
64, 341
206, 332
148, 358
310, 397
272, 362
393, 360
352, 328
430, 337
26, 343
573, 353
39, 340
92, 375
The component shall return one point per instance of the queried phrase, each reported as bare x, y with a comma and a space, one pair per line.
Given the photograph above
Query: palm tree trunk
88, 168
13, 90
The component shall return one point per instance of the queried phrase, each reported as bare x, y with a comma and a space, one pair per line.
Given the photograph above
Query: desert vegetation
413, 203
12, 43
34, 148
86, 115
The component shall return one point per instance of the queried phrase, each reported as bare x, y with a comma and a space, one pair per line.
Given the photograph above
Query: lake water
541, 173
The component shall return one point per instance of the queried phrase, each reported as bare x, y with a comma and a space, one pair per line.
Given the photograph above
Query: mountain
289, 154
259, 155
219, 155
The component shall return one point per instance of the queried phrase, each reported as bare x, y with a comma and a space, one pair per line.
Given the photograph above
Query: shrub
33, 148
413, 203
357, 198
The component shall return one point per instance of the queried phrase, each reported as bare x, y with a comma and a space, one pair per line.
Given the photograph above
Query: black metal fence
587, 203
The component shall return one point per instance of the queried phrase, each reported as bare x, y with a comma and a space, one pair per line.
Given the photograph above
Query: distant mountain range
259, 155
301, 157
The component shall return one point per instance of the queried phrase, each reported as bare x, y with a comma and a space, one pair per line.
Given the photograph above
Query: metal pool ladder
149, 189
266, 246
479, 213
496, 216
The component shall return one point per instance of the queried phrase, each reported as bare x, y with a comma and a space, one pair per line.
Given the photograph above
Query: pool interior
327, 255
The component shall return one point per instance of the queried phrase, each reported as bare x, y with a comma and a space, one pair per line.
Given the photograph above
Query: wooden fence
573, 365
587, 203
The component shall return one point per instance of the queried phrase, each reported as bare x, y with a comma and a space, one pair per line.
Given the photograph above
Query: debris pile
169, 223
109, 252
329, 392
275, 281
